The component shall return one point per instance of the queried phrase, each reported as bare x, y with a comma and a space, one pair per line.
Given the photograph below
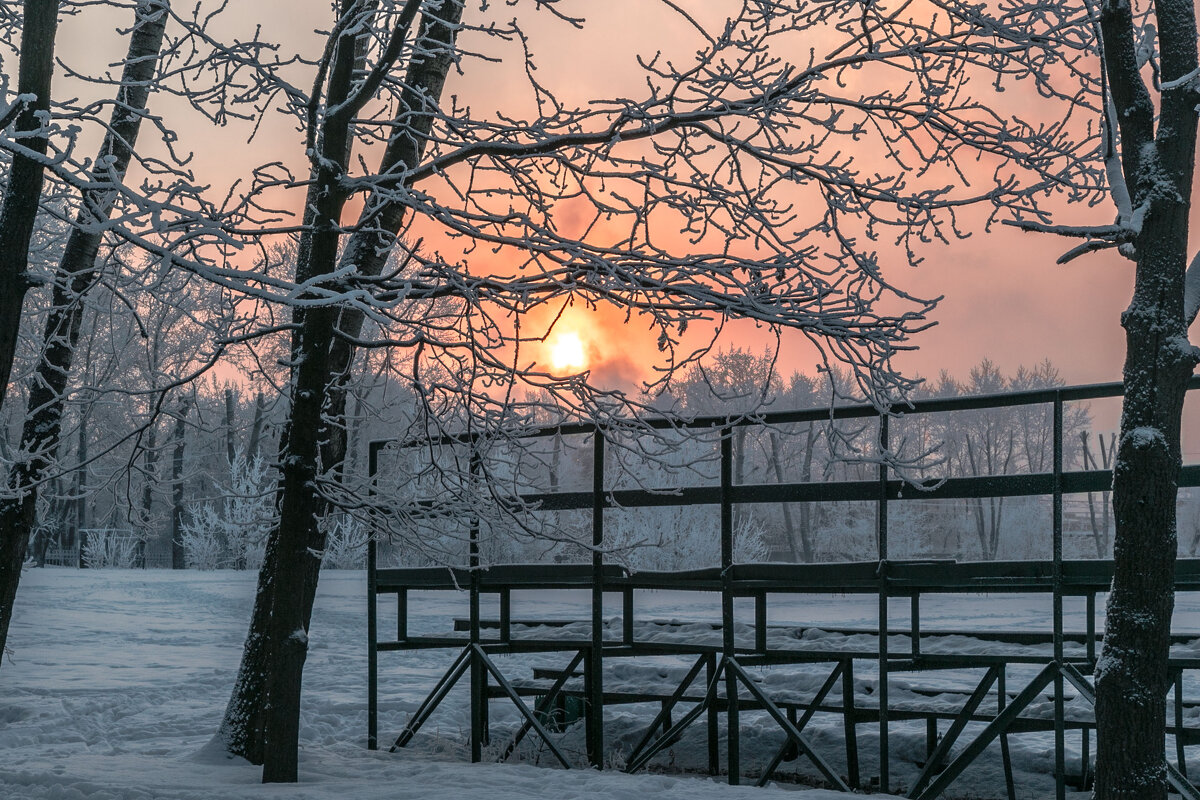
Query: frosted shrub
232, 531
109, 548
345, 542
684, 537
200, 536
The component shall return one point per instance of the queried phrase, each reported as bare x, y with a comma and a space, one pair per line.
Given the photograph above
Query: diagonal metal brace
1175, 777
671, 736
661, 719
1181, 784
543, 705
433, 699
955, 730
826, 687
785, 723
989, 733
519, 703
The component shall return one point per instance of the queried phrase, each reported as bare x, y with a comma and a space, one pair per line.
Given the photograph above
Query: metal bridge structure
1025, 681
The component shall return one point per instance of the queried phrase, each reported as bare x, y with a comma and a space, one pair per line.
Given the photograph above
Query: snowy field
117, 680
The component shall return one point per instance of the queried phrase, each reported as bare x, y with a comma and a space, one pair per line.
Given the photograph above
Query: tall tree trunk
1132, 678
297, 560
739, 473
22, 198
1099, 522
243, 726
177, 487
81, 482
369, 248
347, 468
230, 431
789, 528
272, 664
256, 428
149, 478
1158, 164
75, 274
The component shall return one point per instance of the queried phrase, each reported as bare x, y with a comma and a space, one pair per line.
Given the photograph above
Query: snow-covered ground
117, 680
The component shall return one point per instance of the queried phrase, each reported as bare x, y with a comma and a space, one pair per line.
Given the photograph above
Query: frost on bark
1157, 158
1148, 103
24, 188
74, 276
262, 720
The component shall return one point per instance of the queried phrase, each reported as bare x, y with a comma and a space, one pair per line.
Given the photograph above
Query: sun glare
567, 353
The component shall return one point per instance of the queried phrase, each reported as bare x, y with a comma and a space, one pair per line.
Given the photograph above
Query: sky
1004, 297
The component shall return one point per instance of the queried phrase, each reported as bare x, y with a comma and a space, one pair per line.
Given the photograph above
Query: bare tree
1101, 522
76, 273
1148, 105
23, 189
177, 485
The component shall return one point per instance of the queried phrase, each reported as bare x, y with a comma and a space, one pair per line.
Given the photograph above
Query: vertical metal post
714, 750
627, 616
401, 615
1060, 743
914, 603
850, 723
1085, 753
478, 676
505, 615
1180, 741
1091, 628
595, 671
760, 622
883, 604
372, 621
1005, 756
727, 643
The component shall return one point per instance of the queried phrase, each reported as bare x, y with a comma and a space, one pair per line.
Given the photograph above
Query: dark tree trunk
177, 486
378, 225
272, 664
243, 726
789, 527
1131, 674
75, 274
22, 198
230, 432
297, 531
81, 483
1099, 522
256, 428
149, 478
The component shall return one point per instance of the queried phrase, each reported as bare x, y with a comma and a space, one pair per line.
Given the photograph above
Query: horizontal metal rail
903, 576
1067, 394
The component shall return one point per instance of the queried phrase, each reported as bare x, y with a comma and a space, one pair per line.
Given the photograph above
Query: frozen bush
232, 532
110, 548
346, 539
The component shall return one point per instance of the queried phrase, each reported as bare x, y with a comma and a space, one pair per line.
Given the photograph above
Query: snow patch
1146, 436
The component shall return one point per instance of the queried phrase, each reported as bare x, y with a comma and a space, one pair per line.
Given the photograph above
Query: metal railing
885, 490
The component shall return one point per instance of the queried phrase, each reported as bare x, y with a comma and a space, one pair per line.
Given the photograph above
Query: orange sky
1005, 298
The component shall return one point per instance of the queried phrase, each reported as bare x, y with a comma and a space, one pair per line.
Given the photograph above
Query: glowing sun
567, 352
